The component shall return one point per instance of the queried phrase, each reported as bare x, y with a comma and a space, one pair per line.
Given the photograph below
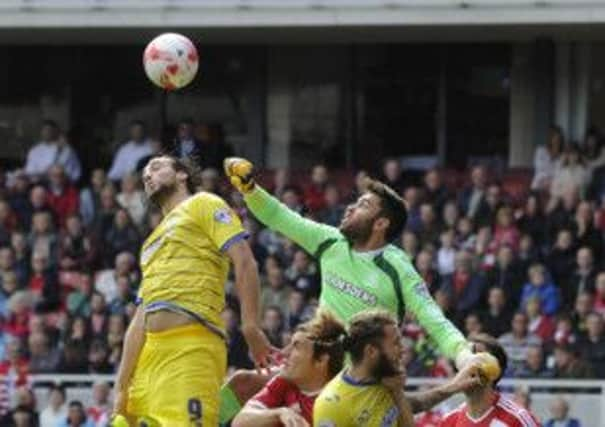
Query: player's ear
382, 224
181, 176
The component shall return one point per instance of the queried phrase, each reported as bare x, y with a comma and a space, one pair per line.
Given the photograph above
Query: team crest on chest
223, 216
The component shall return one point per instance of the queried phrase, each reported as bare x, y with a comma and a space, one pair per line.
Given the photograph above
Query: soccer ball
170, 61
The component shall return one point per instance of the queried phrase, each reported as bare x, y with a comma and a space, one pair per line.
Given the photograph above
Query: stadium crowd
525, 267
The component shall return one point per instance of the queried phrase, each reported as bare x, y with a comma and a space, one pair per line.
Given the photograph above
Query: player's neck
312, 384
173, 200
371, 244
359, 374
479, 402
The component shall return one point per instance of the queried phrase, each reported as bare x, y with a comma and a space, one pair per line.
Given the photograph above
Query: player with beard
370, 391
174, 357
360, 269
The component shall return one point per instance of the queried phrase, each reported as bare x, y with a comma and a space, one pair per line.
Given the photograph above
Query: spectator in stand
564, 332
435, 191
540, 324
599, 299
429, 229
214, 147
115, 339
106, 212
8, 289
7, 260
38, 202
393, 176
413, 365
302, 274
505, 231
56, 411
43, 359
43, 240
592, 347
534, 366
76, 249
52, 149
210, 181
90, 197
106, 281
98, 316
19, 197
531, 219
19, 311
292, 199
507, 275
333, 210
125, 295
98, 358
539, 286
450, 214
298, 309
22, 255
186, 145
572, 173
446, 253
8, 222
473, 324
465, 285
128, 155
237, 355
411, 195
465, 234
133, 199
561, 261
472, 199
76, 416
15, 366
121, 236
584, 276
276, 292
496, 319
582, 308
561, 211
100, 410
517, 342
74, 358
559, 410
273, 325
78, 301
424, 267
586, 233
314, 194
410, 244
44, 283
63, 198
547, 160
567, 364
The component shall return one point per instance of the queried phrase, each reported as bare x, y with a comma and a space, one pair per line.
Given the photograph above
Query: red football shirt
279, 393
502, 413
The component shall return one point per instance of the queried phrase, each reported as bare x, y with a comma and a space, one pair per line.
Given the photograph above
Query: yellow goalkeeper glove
489, 367
240, 172
119, 421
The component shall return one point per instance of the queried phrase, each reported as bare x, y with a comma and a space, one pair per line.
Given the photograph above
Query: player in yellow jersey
174, 357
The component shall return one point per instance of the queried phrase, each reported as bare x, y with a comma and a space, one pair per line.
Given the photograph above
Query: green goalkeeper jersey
354, 281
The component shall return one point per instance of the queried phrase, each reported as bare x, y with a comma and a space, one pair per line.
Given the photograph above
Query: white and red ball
171, 61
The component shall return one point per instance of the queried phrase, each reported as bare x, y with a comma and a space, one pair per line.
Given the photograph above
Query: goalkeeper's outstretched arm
275, 215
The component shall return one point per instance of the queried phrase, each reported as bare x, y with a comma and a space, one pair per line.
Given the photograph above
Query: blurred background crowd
519, 256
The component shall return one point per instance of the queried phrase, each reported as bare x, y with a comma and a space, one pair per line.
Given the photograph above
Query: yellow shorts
177, 378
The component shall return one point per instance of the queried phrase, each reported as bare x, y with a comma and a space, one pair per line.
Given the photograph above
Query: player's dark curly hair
191, 168
366, 328
393, 207
327, 334
493, 347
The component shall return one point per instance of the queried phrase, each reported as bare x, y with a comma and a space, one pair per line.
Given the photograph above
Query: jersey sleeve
275, 215
449, 419
419, 302
271, 396
218, 221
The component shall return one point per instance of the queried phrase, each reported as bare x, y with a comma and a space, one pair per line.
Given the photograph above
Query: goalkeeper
359, 267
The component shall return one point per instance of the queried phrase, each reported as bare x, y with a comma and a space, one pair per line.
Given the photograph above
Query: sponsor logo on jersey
326, 423
350, 289
422, 290
223, 216
390, 417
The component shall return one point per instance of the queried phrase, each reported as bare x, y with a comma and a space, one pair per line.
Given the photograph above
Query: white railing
586, 397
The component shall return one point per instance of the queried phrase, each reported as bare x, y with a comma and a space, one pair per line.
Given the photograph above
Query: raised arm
248, 289
271, 212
